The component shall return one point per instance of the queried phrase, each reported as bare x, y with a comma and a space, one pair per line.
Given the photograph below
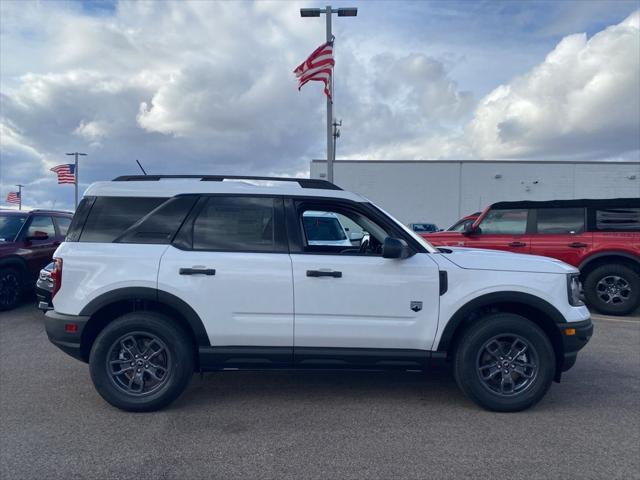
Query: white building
441, 192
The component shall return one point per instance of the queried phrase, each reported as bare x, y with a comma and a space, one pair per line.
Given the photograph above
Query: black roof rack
303, 182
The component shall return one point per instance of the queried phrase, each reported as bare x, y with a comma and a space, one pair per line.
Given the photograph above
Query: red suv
27, 243
600, 237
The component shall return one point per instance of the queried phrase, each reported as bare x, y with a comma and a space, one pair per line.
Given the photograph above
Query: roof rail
303, 182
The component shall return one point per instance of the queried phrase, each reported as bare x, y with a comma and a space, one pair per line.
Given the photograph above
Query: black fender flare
610, 253
155, 295
489, 299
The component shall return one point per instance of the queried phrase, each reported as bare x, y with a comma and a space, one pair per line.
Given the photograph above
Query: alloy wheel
613, 290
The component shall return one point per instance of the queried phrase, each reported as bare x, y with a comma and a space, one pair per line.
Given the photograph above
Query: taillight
56, 276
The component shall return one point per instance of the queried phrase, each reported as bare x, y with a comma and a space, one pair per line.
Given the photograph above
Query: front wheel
613, 289
141, 362
504, 363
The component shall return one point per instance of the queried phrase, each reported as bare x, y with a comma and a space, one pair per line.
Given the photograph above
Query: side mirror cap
395, 248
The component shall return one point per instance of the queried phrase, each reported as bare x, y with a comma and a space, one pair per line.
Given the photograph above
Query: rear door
501, 229
560, 233
40, 249
230, 262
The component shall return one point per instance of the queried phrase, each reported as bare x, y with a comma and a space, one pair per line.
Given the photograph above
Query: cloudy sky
207, 87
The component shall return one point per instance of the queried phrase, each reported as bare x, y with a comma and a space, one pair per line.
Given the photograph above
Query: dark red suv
27, 243
600, 237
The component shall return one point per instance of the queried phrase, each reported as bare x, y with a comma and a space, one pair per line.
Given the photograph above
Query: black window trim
183, 240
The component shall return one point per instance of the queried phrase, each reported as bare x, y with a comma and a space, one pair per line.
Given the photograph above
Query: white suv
161, 276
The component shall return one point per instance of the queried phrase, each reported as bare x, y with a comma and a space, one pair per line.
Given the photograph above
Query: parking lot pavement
316, 425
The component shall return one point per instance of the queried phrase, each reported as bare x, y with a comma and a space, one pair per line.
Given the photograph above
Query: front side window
237, 224
560, 220
10, 226
510, 222
39, 225
460, 226
340, 231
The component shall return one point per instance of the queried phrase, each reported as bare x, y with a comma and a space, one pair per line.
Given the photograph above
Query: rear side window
111, 216
239, 224
161, 224
63, 225
560, 220
625, 219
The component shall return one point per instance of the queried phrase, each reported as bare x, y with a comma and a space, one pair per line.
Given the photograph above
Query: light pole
19, 185
328, 11
75, 171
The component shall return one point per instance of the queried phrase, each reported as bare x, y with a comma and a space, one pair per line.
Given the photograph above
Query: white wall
443, 191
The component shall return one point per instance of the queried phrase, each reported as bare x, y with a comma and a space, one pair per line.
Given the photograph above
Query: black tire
613, 289
471, 353
114, 349
10, 288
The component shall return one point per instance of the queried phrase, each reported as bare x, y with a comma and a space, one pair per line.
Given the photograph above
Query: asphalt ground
278, 425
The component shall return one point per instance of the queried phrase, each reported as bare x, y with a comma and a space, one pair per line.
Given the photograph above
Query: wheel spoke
523, 372
494, 352
120, 363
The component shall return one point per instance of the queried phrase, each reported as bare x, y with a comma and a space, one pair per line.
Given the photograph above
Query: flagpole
19, 195
329, 106
75, 172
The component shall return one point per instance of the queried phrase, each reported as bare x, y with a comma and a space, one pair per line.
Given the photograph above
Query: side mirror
38, 235
469, 229
356, 236
395, 248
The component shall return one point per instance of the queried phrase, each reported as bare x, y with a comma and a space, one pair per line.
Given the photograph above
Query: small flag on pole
13, 197
66, 173
318, 67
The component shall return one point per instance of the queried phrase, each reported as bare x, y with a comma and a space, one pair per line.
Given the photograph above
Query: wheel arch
111, 305
539, 311
596, 260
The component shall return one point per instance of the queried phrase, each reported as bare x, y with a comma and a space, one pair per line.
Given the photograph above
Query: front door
230, 263
352, 306
501, 230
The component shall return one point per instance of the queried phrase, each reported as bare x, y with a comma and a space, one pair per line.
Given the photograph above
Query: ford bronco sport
161, 276
600, 237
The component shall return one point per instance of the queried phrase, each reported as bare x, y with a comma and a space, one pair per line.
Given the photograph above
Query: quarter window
512, 222
560, 220
627, 219
63, 225
236, 224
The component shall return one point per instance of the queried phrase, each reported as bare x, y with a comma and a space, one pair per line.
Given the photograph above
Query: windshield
323, 228
10, 225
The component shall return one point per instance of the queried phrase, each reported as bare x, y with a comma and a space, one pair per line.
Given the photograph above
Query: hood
480, 259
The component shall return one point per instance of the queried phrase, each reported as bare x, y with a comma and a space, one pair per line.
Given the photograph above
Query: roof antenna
140, 165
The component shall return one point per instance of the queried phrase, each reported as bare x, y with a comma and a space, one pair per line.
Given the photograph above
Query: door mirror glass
395, 248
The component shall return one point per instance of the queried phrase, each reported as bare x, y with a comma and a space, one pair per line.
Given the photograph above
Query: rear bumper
575, 335
63, 335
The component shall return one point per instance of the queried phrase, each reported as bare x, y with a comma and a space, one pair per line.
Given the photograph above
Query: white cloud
583, 101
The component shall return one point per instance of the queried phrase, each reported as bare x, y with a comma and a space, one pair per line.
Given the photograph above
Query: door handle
197, 271
517, 244
323, 273
578, 245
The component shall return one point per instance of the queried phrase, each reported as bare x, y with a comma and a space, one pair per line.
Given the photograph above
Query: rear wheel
504, 363
613, 289
141, 362
10, 288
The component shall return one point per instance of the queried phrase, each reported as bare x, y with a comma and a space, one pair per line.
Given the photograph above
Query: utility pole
328, 11
75, 171
19, 195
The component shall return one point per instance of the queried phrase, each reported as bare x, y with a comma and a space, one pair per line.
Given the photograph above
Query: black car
44, 287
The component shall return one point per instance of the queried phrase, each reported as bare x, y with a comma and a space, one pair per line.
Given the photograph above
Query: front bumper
65, 331
575, 335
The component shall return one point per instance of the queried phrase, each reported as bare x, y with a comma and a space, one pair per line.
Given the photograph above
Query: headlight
573, 289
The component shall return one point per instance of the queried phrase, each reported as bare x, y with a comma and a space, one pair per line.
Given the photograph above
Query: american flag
318, 67
66, 173
13, 197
